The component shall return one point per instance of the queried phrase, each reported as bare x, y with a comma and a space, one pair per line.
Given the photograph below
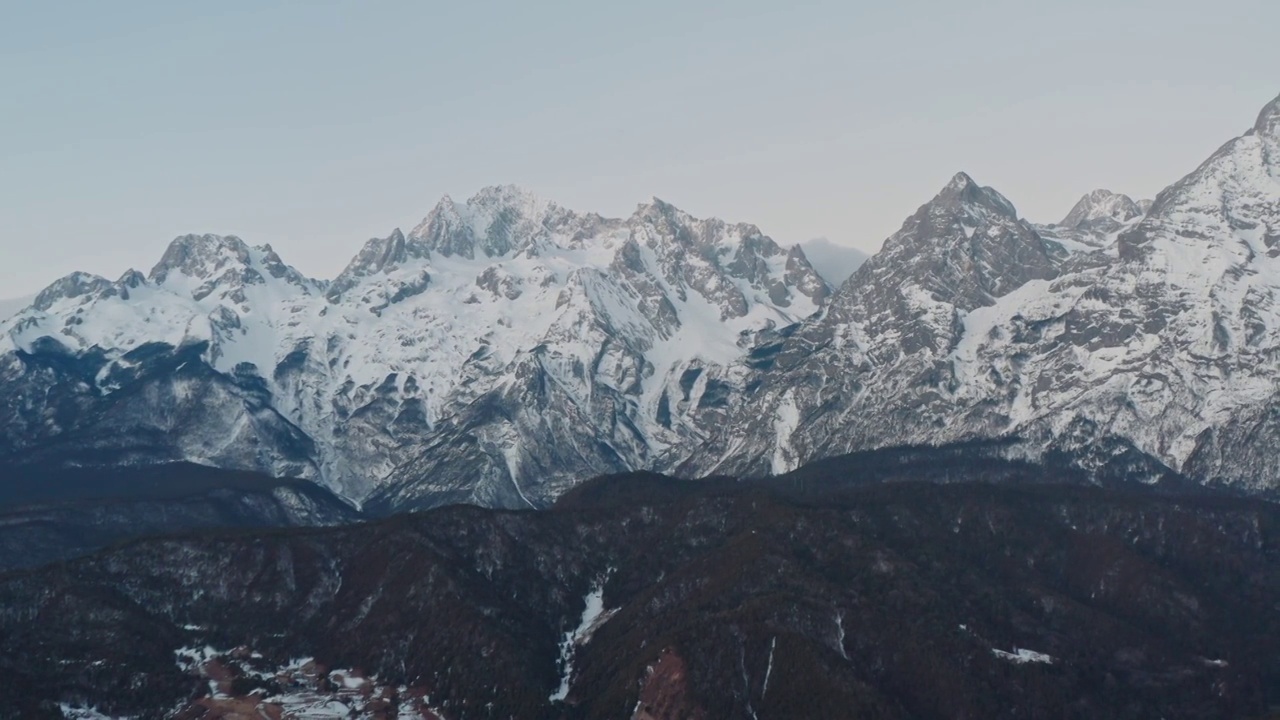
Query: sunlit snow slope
502, 349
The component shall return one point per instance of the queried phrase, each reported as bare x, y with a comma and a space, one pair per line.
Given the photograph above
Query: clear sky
316, 125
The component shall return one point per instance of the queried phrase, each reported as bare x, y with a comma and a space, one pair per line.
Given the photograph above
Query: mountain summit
506, 347
972, 325
1268, 122
502, 349
1101, 206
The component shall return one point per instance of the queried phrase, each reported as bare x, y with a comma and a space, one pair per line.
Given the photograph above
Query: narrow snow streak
87, 713
768, 670
593, 616
840, 635
1022, 656
746, 680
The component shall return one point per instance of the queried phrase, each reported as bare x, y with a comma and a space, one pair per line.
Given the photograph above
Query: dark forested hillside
643, 597
49, 514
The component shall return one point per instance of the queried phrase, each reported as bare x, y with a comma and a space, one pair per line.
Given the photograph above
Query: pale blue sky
316, 125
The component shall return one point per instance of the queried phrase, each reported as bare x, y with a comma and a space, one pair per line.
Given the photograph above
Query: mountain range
507, 348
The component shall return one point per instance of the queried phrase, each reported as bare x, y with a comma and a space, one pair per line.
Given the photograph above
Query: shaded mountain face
497, 352
827, 593
47, 515
971, 324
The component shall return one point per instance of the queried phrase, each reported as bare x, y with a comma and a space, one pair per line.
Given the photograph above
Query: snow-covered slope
503, 348
1102, 206
973, 324
506, 347
1096, 221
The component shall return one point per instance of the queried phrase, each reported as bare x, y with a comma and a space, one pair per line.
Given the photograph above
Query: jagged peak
483, 203
959, 182
963, 191
208, 240
445, 210
131, 278
377, 255
656, 207
71, 285
200, 256
1268, 123
485, 220
512, 196
1102, 204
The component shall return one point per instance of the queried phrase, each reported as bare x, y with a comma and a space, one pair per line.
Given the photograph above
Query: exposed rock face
1165, 335
503, 349
1102, 207
506, 347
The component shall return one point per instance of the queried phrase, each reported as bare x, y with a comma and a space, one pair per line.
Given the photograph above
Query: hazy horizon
316, 127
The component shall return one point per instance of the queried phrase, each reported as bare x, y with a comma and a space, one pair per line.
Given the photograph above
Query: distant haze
10, 306
314, 126
833, 261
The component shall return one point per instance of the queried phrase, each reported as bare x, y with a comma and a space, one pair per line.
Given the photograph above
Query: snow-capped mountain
1102, 207
507, 348
502, 349
973, 324
1096, 221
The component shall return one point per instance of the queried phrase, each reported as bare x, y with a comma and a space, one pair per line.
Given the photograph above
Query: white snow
82, 712
448, 327
305, 695
1022, 656
840, 635
593, 616
764, 690
786, 420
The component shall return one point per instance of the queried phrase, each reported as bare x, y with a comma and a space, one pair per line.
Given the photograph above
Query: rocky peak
963, 192
277, 268
1101, 206
966, 246
495, 221
201, 256
1268, 123
801, 275
77, 284
656, 208
445, 231
131, 279
379, 255
222, 266
666, 221
672, 231
1225, 214
509, 197
960, 251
